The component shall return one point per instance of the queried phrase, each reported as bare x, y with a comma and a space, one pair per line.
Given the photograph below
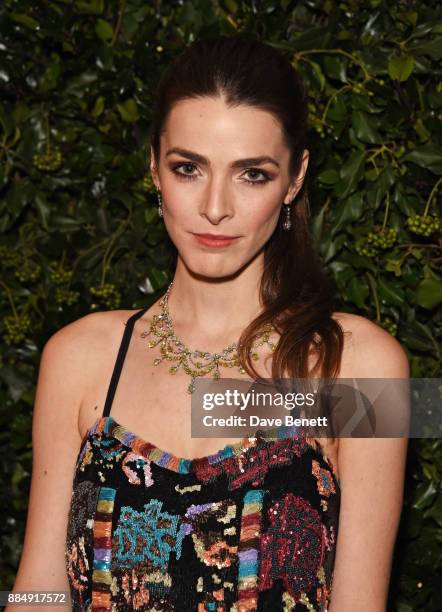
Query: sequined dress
251, 527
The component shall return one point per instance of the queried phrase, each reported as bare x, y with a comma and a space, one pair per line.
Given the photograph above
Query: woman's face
222, 171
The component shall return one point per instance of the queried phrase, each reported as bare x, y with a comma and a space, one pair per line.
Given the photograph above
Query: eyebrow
239, 163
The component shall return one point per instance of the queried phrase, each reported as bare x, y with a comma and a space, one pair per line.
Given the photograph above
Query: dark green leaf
357, 291
328, 177
390, 294
365, 128
429, 293
428, 156
401, 67
351, 172
104, 30
129, 111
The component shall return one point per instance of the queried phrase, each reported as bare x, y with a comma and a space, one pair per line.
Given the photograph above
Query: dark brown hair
295, 291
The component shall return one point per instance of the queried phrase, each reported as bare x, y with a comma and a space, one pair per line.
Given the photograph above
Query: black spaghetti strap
120, 360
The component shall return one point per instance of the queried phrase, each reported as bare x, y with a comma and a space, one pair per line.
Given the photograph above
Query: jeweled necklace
195, 363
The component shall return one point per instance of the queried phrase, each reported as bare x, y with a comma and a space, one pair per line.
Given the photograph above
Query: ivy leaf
433, 48
128, 111
350, 174
429, 293
328, 177
418, 336
317, 70
348, 210
357, 292
435, 511
364, 128
424, 495
104, 30
337, 110
401, 67
390, 294
379, 188
98, 107
26, 20
336, 68
427, 156
93, 7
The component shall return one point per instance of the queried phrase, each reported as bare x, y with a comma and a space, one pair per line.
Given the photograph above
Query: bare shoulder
69, 362
86, 338
82, 352
369, 468
89, 327
369, 350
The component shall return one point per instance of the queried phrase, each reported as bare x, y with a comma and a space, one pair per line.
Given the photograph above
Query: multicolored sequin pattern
252, 527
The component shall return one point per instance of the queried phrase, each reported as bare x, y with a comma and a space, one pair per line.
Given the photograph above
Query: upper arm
371, 477
64, 365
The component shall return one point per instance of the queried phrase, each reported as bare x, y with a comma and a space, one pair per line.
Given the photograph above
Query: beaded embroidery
149, 523
151, 534
251, 528
325, 481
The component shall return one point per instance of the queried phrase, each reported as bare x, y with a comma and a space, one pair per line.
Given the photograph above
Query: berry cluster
148, 184
389, 325
58, 274
316, 122
359, 89
27, 271
362, 248
66, 296
382, 238
108, 294
8, 257
423, 225
49, 161
16, 328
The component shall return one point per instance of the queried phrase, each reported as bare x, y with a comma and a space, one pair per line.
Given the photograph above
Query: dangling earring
160, 204
287, 224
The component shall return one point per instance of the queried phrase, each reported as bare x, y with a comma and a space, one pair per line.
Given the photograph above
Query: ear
154, 169
298, 180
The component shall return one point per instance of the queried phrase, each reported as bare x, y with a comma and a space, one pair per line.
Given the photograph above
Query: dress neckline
108, 426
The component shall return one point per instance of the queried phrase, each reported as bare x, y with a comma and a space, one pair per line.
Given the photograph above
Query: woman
153, 530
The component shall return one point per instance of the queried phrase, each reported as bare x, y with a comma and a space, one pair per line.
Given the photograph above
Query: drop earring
160, 204
287, 224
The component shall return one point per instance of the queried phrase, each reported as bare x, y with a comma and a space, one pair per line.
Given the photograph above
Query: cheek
263, 219
181, 210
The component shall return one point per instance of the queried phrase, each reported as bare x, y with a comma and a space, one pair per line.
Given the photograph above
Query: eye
184, 175
255, 171
188, 167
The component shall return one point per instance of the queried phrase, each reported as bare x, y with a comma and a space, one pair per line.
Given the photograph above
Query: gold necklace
195, 363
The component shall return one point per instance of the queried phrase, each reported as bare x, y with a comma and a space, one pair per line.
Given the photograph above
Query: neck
214, 312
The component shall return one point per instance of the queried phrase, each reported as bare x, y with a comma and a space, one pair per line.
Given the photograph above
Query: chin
219, 267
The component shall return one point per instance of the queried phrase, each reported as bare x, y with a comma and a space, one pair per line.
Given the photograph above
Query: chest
155, 404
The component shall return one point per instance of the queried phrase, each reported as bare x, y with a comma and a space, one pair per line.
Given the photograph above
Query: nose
217, 201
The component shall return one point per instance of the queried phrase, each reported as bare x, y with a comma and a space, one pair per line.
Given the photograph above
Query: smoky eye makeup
185, 171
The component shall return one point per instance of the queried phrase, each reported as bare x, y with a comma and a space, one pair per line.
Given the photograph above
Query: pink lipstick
215, 240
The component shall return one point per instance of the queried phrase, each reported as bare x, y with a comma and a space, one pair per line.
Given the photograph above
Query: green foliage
78, 212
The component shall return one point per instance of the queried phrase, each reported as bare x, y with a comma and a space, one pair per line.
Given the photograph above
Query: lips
215, 240
216, 236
